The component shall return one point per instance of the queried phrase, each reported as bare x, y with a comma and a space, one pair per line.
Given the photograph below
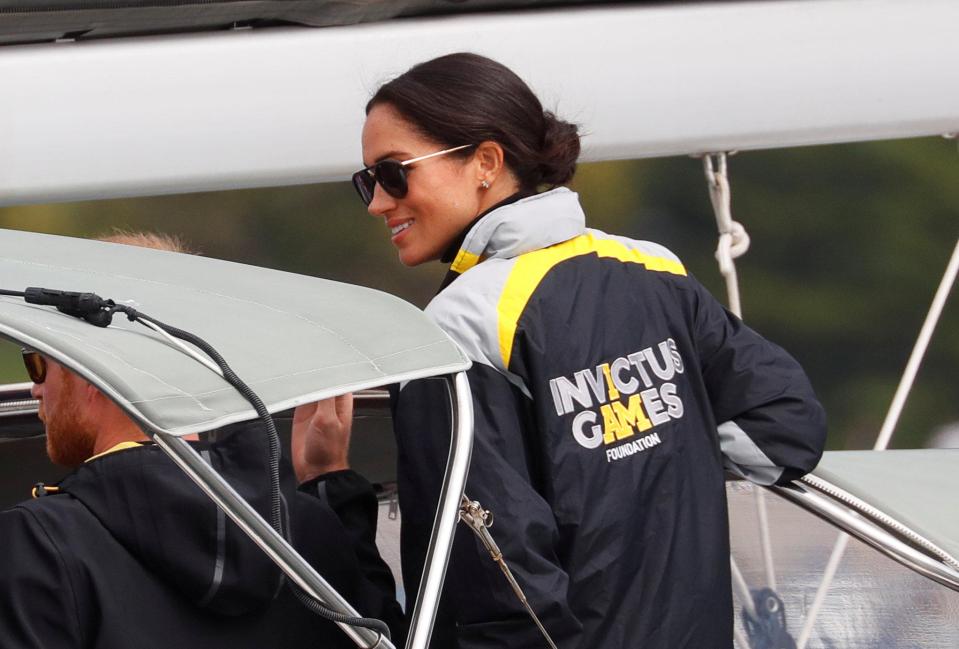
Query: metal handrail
19, 407
12, 389
374, 399
870, 531
15, 399
447, 514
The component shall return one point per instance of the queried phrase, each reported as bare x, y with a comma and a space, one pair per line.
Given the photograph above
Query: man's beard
69, 440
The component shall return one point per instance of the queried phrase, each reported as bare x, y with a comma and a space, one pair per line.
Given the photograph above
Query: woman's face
444, 195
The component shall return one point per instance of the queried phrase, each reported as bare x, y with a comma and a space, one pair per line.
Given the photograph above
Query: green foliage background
848, 245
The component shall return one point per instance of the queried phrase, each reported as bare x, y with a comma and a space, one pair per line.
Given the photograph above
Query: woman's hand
321, 437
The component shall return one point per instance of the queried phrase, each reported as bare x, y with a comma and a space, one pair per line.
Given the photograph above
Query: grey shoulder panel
743, 457
467, 310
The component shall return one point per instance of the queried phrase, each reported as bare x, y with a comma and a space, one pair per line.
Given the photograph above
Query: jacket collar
528, 224
453, 249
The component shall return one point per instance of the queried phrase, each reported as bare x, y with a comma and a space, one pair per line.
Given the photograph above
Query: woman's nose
382, 202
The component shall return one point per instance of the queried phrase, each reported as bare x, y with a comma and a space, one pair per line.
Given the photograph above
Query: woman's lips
397, 231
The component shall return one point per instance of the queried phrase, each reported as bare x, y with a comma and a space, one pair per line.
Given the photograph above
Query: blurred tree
11, 369
848, 246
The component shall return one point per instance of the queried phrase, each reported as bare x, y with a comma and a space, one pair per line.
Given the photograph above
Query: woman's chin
410, 258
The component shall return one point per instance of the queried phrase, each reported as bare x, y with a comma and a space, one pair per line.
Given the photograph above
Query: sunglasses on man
390, 175
36, 365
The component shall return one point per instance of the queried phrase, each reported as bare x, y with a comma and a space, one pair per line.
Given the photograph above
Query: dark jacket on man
128, 553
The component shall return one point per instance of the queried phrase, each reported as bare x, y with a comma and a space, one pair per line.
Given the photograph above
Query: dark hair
465, 98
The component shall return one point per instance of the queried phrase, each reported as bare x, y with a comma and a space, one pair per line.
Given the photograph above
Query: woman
610, 389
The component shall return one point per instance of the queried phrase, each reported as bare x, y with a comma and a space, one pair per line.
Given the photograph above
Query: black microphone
88, 306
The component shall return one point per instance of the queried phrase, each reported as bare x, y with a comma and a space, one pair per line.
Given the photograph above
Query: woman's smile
397, 229
443, 194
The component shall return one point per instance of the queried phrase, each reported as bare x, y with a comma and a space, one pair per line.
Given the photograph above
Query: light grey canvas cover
291, 338
916, 487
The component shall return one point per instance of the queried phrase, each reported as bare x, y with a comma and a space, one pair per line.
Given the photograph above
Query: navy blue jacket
611, 394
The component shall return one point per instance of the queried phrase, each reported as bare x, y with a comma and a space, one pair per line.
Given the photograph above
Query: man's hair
154, 240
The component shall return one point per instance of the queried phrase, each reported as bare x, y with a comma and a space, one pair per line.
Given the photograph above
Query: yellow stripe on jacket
531, 268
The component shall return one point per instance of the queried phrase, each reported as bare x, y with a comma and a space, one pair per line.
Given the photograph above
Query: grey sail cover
291, 338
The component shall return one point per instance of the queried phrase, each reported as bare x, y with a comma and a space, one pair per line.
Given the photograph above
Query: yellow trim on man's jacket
113, 449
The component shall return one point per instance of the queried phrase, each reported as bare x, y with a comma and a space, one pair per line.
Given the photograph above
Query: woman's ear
489, 162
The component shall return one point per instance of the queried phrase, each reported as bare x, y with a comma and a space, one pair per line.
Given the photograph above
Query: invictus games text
614, 401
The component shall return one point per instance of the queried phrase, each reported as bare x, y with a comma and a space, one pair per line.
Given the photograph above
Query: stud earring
485, 184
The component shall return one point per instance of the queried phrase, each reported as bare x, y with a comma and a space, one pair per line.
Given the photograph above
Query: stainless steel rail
375, 399
19, 408
447, 513
18, 413
13, 389
871, 532
15, 400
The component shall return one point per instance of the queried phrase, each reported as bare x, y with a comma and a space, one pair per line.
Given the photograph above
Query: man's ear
91, 395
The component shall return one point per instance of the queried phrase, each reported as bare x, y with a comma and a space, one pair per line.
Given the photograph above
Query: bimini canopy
291, 338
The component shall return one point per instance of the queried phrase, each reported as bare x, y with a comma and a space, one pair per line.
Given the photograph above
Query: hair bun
466, 98
560, 150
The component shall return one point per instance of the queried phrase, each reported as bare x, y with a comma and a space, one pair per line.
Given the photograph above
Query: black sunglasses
36, 365
390, 175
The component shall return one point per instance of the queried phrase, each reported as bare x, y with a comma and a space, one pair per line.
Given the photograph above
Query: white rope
733, 243
918, 352
733, 238
885, 433
764, 536
741, 589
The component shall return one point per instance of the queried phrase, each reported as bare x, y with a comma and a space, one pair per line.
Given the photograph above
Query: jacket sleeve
503, 479
351, 498
772, 428
38, 609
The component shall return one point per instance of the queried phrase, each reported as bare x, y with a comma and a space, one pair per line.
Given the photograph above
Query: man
126, 552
